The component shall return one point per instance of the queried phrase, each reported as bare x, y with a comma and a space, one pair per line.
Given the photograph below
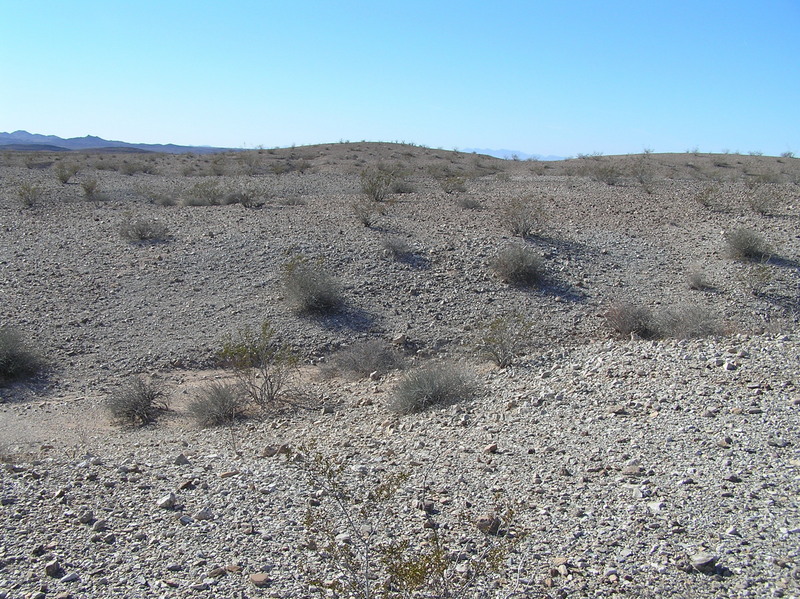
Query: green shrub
204, 193
136, 402
518, 265
366, 211
376, 184
65, 172
745, 244
217, 404
431, 385
522, 216
504, 339
262, 363
367, 357
143, 229
29, 194
17, 359
310, 288
89, 188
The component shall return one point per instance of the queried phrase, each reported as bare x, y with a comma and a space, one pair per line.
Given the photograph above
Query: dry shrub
367, 357
522, 216
136, 402
218, 404
505, 338
518, 265
746, 244
17, 359
310, 288
688, 322
143, 229
627, 320
431, 385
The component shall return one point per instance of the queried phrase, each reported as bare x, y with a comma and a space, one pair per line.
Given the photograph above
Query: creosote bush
218, 404
431, 385
376, 184
518, 265
310, 288
136, 402
745, 244
29, 194
143, 229
262, 363
65, 172
522, 216
627, 319
17, 359
504, 339
677, 322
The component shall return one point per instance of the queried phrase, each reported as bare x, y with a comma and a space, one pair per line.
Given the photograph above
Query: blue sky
539, 77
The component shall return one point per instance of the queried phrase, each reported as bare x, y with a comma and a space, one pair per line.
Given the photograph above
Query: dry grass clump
366, 211
678, 322
143, 229
469, 203
137, 402
29, 194
218, 404
365, 358
310, 288
396, 248
431, 385
17, 359
518, 265
65, 172
746, 244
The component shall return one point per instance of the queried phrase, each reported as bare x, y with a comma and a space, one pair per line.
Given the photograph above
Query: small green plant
262, 363
136, 402
65, 172
746, 244
366, 211
518, 265
217, 404
135, 229
204, 193
522, 216
431, 385
17, 359
505, 338
310, 288
29, 194
89, 187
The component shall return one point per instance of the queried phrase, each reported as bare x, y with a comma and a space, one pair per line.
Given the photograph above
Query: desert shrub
204, 193
697, 279
518, 265
431, 385
366, 211
687, 322
627, 319
468, 203
453, 184
245, 198
644, 174
762, 202
705, 197
606, 173
366, 357
143, 229
65, 172
504, 339
395, 247
136, 402
217, 404
401, 186
29, 194
263, 364
376, 183
522, 216
746, 244
89, 187
310, 288
17, 359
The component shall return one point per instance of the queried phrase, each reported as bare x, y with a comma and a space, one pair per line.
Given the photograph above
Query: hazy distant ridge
91, 142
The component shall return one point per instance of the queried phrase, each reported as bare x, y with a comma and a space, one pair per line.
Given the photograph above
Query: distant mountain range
22, 140
512, 154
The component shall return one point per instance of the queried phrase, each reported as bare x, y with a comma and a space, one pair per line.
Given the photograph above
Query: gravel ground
609, 467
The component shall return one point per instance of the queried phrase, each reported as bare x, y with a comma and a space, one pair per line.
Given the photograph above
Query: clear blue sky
539, 77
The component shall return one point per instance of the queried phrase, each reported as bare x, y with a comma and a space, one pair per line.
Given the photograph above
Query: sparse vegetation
136, 402
217, 404
89, 187
518, 265
746, 244
136, 229
17, 359
367, 357
261, 362
396, 248
29, 194
470, 203
310, 288
204, 193
429, 386
65, 172
376, 183
631, 320
677, 322
522, 216
366, 211
504, 339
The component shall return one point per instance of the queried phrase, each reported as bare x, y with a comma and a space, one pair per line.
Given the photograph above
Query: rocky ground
613, 467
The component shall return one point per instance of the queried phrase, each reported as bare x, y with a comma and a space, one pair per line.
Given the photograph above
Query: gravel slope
612, 463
